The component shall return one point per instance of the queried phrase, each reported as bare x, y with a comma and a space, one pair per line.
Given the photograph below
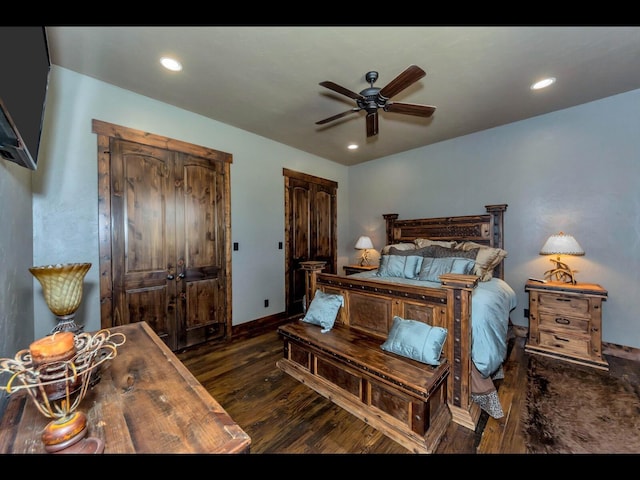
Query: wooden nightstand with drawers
351, 269
565, 322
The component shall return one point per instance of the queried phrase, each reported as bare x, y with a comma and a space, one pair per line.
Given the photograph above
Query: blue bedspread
491, 303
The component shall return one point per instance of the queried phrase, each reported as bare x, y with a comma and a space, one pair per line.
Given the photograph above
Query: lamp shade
363, 243
561, 244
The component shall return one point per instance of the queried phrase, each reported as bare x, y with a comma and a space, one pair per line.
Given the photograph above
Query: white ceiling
265, 79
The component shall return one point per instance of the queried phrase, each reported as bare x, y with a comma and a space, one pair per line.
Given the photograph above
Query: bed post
458, 348
311, 269
390, 218
497, 232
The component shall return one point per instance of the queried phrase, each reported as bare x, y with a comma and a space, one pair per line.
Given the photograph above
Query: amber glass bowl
62, 286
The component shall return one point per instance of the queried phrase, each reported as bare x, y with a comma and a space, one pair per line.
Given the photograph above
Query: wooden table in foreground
146, 401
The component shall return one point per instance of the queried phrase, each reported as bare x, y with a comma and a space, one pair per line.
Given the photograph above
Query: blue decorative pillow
324, 310
404, 266
432, 268
417, 340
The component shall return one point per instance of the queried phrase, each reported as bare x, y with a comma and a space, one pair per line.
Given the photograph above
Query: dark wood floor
284, 416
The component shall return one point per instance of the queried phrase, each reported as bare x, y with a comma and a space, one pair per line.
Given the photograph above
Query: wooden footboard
370, 305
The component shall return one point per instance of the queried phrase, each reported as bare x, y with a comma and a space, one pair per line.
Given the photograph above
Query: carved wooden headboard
486, 229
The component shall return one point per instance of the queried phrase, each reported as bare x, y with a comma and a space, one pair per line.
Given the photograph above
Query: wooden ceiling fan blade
339, 115
412, 74
410, 109
343, 91
372, 124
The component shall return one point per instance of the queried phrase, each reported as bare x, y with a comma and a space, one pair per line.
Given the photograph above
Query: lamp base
560, 273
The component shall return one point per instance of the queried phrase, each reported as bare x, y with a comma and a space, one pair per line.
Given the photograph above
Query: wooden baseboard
621, 351
519, 331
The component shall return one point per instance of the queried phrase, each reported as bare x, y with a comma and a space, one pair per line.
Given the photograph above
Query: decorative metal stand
58, 388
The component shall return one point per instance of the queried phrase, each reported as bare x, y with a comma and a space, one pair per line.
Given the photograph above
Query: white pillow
398, 246
425, 242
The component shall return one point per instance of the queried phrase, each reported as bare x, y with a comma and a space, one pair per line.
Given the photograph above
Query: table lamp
561, 244
364, 244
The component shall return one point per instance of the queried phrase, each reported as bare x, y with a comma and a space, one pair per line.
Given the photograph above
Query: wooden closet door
165, 230
144, 238
200, 240
310, 227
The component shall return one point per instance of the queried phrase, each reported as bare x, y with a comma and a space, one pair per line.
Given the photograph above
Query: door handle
171, 276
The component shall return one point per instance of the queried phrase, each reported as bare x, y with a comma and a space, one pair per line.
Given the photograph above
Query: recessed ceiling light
352, 146
543, 83
171, 64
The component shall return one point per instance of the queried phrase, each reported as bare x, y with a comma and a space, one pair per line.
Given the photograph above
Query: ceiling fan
372, 98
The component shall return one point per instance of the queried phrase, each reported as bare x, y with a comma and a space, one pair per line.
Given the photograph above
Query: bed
468, 298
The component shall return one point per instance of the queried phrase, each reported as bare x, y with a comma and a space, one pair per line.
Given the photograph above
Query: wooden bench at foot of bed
404, 399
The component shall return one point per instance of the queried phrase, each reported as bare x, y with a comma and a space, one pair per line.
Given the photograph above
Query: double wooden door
168, 243
310, 230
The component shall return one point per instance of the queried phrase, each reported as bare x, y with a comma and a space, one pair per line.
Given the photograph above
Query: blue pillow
403, 266
417, 340
432, 268
324, 310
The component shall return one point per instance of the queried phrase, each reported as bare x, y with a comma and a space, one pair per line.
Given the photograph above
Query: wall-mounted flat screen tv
24, 78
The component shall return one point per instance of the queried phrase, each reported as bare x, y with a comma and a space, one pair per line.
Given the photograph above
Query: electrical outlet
526, 313
279, 245
235, 245
266, 303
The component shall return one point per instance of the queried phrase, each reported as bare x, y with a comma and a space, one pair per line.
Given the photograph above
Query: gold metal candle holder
57, 388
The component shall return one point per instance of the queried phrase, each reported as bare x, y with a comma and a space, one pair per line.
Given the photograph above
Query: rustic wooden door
144, 238
310, 230
169, 255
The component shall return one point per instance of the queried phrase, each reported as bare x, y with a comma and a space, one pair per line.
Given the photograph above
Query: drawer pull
560, 339
563, 321
560, 299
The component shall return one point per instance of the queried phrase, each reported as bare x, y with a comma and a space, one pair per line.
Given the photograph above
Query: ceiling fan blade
344, 91
372, 124
410, 109
339, 115
412, 74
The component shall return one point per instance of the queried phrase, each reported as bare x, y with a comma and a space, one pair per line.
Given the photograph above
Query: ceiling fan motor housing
372, 100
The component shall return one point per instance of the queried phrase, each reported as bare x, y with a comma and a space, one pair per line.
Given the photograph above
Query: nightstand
565, 322
351, 269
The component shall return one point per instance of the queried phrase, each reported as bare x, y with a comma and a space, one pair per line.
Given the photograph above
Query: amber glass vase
62, 290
